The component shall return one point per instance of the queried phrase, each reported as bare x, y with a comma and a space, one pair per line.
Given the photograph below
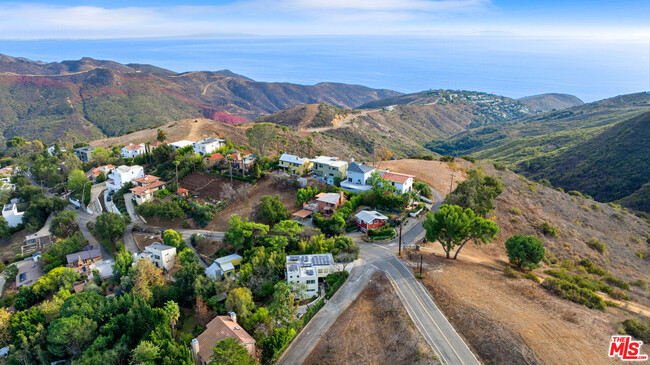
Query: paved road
95, 194
130, 208
429, 320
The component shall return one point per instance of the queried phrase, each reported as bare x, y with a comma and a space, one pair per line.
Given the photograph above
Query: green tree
76, 181
110, 226
282, 307
70, 335
240, 301
477, 192
64, 224
243, 235
526, 251
146, 275
146, 353
454, 227
101, 156
229, 352
5, 230
172, 311
161, 136
123, 261
261, 136
173, 238
272, 210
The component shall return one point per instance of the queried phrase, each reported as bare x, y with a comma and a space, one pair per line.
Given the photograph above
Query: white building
402, 182
133, 150
181, 144
162, 256
12, 215
358, 175
224, 267
208, 145
122, 175
307, 269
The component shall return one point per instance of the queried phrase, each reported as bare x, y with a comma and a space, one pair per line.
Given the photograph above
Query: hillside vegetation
549, 102
90, 98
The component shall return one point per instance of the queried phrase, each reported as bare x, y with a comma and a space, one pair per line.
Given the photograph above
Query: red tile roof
182, 191
395, 177
134, 147
216, 157
147, 179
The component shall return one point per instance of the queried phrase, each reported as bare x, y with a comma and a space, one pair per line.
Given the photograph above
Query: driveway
95, 192
130, 208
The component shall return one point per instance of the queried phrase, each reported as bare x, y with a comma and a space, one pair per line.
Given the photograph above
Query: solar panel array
320, 260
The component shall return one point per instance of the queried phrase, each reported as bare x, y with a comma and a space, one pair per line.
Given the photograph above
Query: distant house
162, 256
145, 187
123, 175
242, 160
7, 171
181, 144
182, 192
370, 219
220, 328
224, 267
328, 168
329, 202
104, 268
307, 269
402, 182
208, 146
133, 150
93, 174
85, 154
12, 215
29, 271
294, 165
155, 144
81, 261
216, 159
358, 175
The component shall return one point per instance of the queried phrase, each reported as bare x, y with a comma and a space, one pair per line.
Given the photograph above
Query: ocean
508, 66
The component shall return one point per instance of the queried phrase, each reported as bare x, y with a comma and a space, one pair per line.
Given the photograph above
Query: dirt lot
245, 204
434, 173
143, 239
10, 247
212, 187
375, 329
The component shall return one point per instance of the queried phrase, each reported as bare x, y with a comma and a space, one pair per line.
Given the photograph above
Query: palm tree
176, 163
171, 308
162, 136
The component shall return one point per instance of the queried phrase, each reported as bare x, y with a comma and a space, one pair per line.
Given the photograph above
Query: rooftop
216, 157
396, 177
229, 258
330, 198
220, 328
211, 140
330, 161
85, 149
83, 255
160, 246
134, 147
358, 167
370, 215
182, 143
125, 168
147, 179
292, 159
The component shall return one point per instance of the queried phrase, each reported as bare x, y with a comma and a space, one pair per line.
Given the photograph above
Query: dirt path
344, 122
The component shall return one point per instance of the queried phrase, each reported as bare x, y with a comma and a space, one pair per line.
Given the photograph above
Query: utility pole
420, 265
451, 184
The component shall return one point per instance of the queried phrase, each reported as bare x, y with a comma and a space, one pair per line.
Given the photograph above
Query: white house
402, 182
208, 145
122, 175
180, 144
12, 215
224, 267
162, 256
307, 269
358, 175
133, 150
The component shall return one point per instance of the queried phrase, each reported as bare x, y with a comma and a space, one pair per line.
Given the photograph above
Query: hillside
308, 116
91, 98
549, 102
608, 166
536, 327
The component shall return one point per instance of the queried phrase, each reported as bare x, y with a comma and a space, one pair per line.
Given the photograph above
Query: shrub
549, 230
597, 245
334, 281
639, 254
640, 283
447, 158
499, 166
596, 208
617, 282
575, 193
509, 272
591, 268
515, 211
531, 276
384, 232
469, 158
422, 188
609, 303
560, 190
637, 329
272, 210
574, 293
164, 210
568, 265
619, 294
525, 251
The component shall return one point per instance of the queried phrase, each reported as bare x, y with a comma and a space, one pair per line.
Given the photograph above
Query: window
311, 282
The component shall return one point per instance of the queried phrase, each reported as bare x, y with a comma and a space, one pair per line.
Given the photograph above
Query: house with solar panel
307, 269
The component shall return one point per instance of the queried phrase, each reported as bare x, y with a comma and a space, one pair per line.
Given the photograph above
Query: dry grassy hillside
508, 320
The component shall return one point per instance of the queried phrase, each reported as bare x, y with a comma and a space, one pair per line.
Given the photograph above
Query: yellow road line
427, 312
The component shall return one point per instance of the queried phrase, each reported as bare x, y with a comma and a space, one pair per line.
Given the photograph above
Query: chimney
351, 159
195, 350
233, 316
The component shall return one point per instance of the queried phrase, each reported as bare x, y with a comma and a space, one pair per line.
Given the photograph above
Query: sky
592, 49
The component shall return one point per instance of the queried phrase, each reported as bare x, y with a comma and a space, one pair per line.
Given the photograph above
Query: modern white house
11, 214
224, 267
402, 182
133, 150
208, 146
180, 144
307, 269
122, 175
162, 256
358, 175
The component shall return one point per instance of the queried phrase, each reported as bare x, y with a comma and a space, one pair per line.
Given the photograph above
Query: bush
525, 251
549, 230
422, 188
591, 268
596, 208
469, 158
531, 276
164, 210
637, 329
575, 193
617, 282
499, 166
597, 245
447, 158
334, 281
609, 303
640, 283
384, 232
272, 210
619, 294
509, 272
515, 211
574, 293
